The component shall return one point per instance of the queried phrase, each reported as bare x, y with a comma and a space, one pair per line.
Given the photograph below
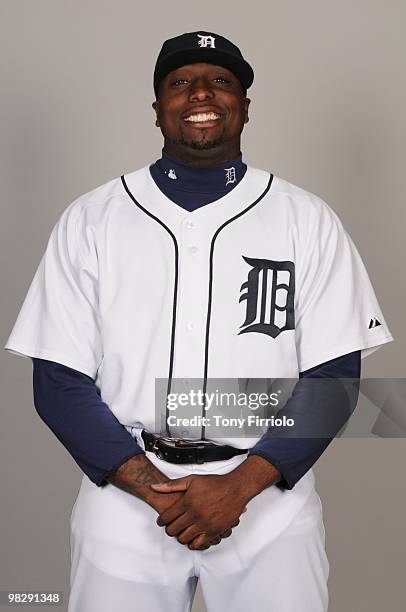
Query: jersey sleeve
59, 318
336, 309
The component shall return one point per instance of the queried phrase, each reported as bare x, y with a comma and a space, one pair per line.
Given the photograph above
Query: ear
247, 102
155, 106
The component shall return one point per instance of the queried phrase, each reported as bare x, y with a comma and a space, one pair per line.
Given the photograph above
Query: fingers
177, 484
188, 535
202, 542
170, 514
179, 525
228, 532
191, 536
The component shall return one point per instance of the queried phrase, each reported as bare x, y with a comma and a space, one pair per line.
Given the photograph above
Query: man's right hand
135, 477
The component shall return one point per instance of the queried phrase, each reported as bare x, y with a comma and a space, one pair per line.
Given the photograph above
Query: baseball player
196, 267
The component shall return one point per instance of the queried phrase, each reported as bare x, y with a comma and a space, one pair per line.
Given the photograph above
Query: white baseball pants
274, 561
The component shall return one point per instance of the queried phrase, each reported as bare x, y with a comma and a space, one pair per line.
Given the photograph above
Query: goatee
199, 145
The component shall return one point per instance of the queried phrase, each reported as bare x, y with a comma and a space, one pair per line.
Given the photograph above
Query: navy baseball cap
206, 47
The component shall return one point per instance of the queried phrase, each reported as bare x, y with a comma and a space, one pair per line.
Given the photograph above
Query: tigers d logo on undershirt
268, 293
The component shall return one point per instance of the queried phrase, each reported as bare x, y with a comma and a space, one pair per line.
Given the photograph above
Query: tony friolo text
221, 421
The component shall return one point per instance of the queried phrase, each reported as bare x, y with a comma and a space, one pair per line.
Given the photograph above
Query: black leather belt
176, 450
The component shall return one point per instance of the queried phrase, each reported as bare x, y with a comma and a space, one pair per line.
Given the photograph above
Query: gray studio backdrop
327, 114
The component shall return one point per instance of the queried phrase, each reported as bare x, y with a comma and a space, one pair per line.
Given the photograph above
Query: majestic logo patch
206, 41
230, 175
374, 323
269, 294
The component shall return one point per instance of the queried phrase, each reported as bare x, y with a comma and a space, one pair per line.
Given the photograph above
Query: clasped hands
205, 509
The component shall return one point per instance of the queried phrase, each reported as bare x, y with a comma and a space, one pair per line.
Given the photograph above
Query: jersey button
190, 326
190, 224
193, 249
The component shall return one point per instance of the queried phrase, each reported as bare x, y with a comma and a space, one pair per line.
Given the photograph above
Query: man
196, 267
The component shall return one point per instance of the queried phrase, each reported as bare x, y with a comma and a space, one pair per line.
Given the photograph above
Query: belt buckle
179, 443
173, 442
157, 452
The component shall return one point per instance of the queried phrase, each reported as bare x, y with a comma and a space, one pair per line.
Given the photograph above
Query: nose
201, 90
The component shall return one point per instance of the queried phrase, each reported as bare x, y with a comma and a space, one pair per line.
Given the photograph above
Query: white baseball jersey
264, 282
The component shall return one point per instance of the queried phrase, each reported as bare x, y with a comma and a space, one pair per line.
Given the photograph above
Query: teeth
203, 117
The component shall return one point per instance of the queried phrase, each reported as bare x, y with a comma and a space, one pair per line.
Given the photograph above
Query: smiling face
201, 111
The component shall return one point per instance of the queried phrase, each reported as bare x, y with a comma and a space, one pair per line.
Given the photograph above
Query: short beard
199, 145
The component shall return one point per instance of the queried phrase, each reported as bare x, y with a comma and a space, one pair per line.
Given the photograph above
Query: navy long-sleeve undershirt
70, 404
329, 404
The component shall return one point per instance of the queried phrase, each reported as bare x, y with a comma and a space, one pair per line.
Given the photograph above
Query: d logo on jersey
269, 295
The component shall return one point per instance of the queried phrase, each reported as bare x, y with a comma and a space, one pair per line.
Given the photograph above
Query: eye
179, 82
222, 79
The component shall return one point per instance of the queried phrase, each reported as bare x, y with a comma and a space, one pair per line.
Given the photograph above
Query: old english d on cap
207, 47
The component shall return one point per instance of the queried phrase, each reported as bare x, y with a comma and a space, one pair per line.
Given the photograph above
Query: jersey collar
141, 189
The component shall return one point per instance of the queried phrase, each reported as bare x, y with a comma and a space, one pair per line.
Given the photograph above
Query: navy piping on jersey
175, 291
206, 355
263, 194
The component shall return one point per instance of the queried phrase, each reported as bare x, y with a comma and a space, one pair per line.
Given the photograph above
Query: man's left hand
211, 505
